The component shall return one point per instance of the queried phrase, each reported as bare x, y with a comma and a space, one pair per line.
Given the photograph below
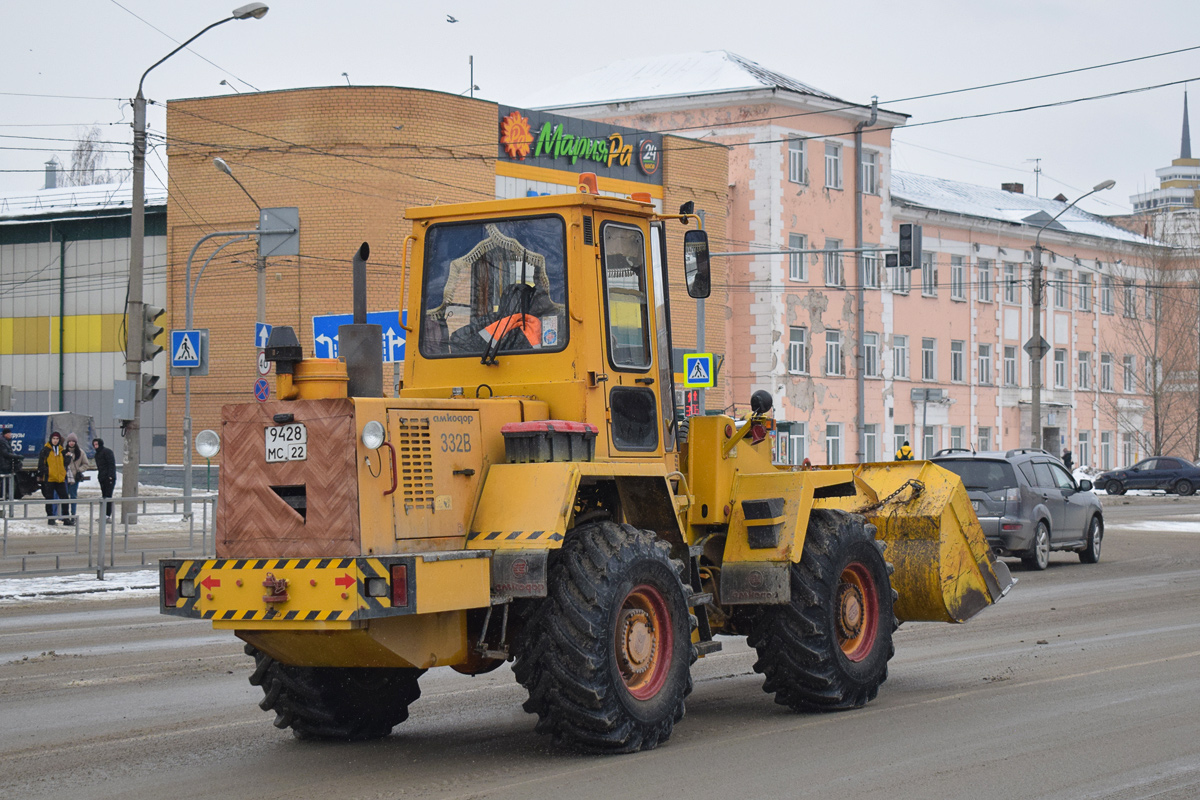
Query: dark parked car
1160, 472
1029, 504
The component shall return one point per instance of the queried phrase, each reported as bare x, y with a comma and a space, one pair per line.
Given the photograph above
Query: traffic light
910, 245
151, 330
148, 390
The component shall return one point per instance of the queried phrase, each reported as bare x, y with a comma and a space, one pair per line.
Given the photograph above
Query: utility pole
1036, 351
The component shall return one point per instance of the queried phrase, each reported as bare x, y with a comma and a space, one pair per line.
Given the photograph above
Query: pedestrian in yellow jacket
52, 474
905, 453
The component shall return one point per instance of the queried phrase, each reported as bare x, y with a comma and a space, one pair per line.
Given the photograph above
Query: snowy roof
955, 197
680, 75
75, 201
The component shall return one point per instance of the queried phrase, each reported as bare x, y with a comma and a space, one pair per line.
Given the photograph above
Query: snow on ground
30, 518
45, 587
1162, 526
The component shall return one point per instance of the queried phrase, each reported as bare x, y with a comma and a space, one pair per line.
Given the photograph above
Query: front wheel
1115, 487
1038, 556
828, 648
606, 657
1184, 488
1090, 554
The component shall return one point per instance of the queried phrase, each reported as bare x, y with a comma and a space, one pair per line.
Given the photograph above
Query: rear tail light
1011, 526
169, 587
399, 586
1012, 501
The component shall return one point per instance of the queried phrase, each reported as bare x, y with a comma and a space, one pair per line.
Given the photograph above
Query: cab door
630, 343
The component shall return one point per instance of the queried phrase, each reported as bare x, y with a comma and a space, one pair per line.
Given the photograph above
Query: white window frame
1083, 372
958, 361
901, 279
929, 276
1106, 295
797, 350
1130, 310
986, 378
958, 278
956, 437
871, 355
835, 274
1061, 295
834, 358
1085, 291
870, 267
985, 280
797, 160
870, 442
899, 357
870, 172
798, 443
1083, 451
1129, 378
1106, 372
833, 165
1060, 368
1012, 283
833, 443
928, 359
983, 438
797, 262
1106, 447
899, 436
1010, 365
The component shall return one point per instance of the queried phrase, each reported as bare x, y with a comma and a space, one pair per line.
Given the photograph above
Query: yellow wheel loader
529, 497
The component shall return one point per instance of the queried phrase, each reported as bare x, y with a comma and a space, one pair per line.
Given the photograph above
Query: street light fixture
134, 354
260, 264
1035, 339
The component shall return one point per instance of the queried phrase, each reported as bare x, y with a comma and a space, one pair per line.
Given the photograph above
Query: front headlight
373, 435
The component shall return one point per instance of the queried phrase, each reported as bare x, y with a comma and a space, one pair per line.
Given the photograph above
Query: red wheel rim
644, 641
857, 609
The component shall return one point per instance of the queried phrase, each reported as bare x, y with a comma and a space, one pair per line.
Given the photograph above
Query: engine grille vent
415, 452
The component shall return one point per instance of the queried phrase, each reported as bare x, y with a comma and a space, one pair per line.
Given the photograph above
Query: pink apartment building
937, 358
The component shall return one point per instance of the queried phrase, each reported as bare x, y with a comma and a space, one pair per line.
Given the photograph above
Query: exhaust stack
360, 344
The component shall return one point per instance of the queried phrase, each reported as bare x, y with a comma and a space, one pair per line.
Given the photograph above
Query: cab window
623, 249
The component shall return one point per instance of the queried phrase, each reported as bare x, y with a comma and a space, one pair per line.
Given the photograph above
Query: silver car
1029, 504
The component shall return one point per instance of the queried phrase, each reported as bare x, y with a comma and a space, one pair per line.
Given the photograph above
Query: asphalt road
1083, 683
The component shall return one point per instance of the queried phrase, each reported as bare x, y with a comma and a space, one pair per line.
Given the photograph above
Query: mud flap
944, 569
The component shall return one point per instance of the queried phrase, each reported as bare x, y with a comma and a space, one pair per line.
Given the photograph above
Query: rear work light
170, 588
399, 586
377, 587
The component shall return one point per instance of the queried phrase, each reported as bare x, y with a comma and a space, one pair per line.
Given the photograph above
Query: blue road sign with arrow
325, 333
262, 332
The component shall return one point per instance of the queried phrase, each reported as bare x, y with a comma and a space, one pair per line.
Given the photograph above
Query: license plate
287, 442
975, 503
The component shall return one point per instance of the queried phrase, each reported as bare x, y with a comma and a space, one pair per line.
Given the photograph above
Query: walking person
77, 465
52, 474
10, 465
106, 473
1067, 460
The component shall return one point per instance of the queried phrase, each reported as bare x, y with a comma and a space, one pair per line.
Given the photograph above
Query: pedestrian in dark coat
106, 472
10, 464
1068, 462
52, 474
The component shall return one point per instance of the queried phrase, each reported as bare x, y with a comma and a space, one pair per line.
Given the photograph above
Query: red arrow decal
210, 582
344, 581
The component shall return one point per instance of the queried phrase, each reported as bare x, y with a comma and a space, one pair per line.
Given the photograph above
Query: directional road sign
262, 332
698, 370
325, 333
185, 349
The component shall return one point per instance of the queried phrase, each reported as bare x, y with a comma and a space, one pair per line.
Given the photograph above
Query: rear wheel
1115, 487
1184, 488
1090, 554
828, 648
606, 657
350, 703
1038, 556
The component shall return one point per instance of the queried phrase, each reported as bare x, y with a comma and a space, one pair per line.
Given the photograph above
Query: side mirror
695, 264
1085, 485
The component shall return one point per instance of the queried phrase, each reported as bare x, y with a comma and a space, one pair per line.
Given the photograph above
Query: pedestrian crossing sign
698, 370
185, 348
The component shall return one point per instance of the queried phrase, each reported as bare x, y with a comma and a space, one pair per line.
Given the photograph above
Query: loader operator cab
521, 293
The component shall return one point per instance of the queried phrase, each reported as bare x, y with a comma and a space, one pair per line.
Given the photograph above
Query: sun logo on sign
516, 135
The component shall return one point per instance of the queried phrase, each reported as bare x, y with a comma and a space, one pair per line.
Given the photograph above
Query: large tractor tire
345, 703
606, 657
828, 649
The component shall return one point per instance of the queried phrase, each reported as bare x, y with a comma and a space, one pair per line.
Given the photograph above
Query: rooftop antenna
471, 61
1037, 176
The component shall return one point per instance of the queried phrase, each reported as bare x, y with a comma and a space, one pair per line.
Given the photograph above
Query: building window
1085, 291
1130, 299
1084, 452
1106, 295
899, 357
983, 440
1151, 305
870, 443
791, 443
958, 278
899, 437
1060, 288
871, 355
958, 360
956, 437
1010, 365
833, 443
1012, 286
985, 280
797, 265
1060, 368
901, 278
834, 364
870, 266
1085, 369
929, 359
1128, 451
833, 165
798, 350
1129, 368
797, 161
929, 277
928, 441
1106, 453
1106, 372
870, 172
985, 365
834, 276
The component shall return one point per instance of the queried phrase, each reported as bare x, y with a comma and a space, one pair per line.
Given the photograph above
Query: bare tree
88, 160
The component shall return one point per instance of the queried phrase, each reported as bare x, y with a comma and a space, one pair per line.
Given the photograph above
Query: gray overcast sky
99, 48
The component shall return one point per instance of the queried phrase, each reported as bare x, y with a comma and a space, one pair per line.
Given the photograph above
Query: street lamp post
1036, 301
260, 263
134, 313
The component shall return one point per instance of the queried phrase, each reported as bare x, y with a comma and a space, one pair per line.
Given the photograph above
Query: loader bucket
945, 571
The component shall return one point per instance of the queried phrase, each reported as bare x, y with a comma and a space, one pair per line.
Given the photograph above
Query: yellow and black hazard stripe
508, 536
